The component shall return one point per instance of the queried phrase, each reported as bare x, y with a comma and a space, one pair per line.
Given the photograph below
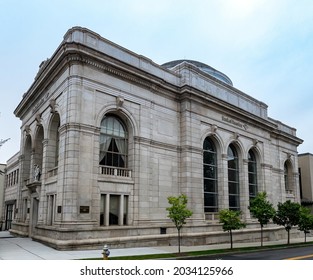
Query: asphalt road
299, 253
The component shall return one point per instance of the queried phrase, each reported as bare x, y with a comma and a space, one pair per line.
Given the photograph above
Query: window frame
113, 150
252, 174
210, 176
233, 169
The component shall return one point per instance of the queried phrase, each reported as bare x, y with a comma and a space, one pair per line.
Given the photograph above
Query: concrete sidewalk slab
24, 248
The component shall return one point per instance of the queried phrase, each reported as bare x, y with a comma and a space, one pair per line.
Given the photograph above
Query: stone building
306, 179
107, 135
2, 171
11, 186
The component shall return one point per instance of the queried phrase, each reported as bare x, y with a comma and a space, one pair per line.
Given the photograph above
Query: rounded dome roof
203, 67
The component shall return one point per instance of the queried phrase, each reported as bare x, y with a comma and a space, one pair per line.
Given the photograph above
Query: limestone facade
2, 178
107, 135
306, 179
10, 190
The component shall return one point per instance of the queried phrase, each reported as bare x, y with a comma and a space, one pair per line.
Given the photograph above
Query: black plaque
83, 209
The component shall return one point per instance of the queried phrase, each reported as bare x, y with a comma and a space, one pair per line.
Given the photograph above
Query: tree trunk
288, 231
179, 241
261, 235
231, 239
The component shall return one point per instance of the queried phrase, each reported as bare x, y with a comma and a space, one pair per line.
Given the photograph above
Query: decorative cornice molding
150, 142
136, 76
79, 127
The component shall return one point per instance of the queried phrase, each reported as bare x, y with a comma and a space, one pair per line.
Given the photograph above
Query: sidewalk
24, 248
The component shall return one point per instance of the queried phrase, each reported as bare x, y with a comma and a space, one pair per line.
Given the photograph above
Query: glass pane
251, 156
209, 185
114, 208
112, 126
210, 176
252, 178
208, 145
209, 171
209, 158
232, 175
113, 142
234, 202
231, 152
125, 210
210, 200
232, 163
252, 190
233, 188
252, 167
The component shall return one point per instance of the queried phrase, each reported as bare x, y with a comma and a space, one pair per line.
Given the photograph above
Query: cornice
280, 135
75, 53
226, 109
157, 144
84, 128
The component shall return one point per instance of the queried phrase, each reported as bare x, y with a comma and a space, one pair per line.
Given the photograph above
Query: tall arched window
252, 174
38, 155
233, 178
113, 142
27, 170
53, 144
287, 176
210, 176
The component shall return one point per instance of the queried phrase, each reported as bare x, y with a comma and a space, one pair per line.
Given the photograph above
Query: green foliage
287, 215
305, 221
178, 212
230, 219
262, 209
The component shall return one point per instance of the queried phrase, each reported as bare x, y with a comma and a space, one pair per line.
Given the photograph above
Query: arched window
287, 177
38, 152
53, 144
27, 171
233, 178
252, 174
210, 176
113, 142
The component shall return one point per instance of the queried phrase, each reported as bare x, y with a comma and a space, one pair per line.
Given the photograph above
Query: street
299, 253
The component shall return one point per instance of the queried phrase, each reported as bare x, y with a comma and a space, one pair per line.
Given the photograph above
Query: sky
264, 46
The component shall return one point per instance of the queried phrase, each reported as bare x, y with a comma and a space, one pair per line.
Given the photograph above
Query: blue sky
264, 46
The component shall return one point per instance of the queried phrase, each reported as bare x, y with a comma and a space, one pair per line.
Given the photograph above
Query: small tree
178, 212
305, 221
287, 215
262, 210
231, 221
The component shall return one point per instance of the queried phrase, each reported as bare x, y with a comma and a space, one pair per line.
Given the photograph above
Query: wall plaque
83, 209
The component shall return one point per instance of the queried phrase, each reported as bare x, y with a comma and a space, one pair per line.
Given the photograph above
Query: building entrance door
8, 216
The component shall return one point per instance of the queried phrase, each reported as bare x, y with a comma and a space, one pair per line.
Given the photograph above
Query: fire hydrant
105, 252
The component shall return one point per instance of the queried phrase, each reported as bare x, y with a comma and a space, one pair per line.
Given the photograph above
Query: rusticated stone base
126, 237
